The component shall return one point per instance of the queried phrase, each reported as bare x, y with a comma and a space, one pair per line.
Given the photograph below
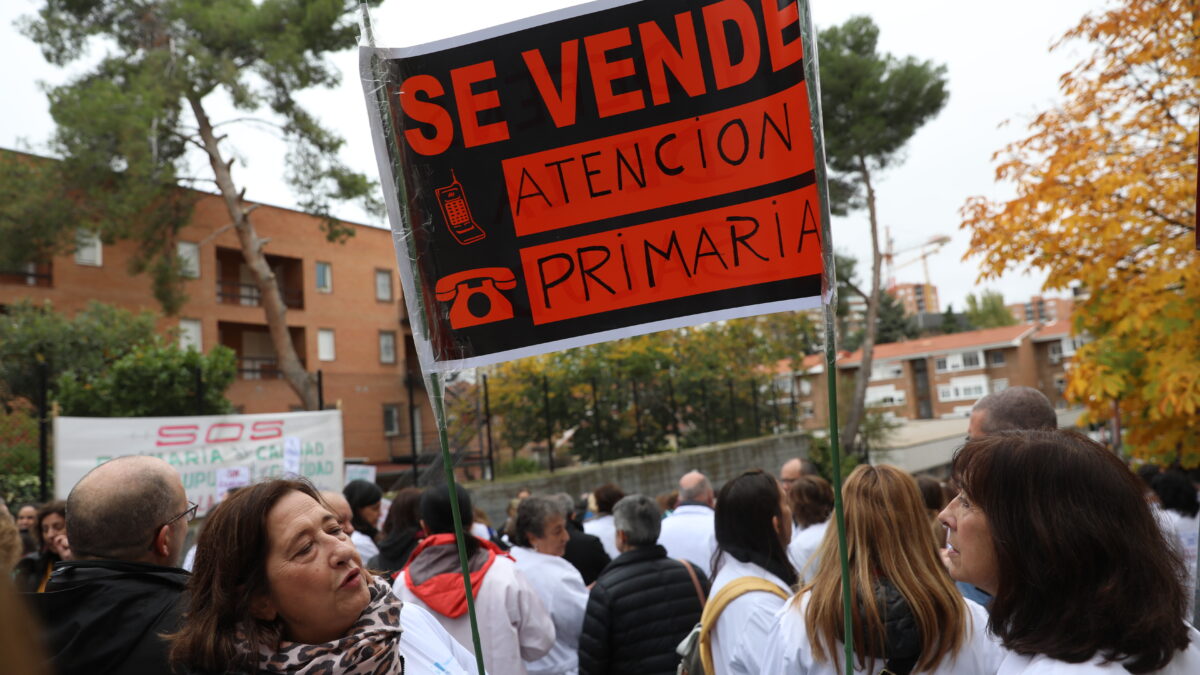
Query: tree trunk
854, 419
301, 381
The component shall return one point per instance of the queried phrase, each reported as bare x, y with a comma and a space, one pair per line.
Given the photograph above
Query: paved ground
927, 445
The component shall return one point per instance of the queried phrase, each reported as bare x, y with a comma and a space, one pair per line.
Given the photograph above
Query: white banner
204, 448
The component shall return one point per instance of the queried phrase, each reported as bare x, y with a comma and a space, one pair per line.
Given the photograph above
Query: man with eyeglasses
104, 610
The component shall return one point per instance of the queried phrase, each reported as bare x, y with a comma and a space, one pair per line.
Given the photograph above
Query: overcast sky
999, 69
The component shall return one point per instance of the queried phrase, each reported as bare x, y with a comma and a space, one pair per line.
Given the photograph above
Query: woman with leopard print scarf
278, 588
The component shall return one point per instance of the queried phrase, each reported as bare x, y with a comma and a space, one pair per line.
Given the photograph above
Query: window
805, 387
996, 358
963, 388
959, 361
999, 384
383, 285
325, 345
391, 419
190, 334
884, 395
324, 277
88, 250
387, 346
1056, 352
189, 253
890, 370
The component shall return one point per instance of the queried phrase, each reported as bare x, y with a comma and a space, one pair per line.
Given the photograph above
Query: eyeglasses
189, 515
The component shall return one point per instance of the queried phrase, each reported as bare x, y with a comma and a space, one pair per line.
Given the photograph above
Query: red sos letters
217, 432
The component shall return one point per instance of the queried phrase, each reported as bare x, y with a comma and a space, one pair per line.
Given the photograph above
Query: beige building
917, 299
1042, 310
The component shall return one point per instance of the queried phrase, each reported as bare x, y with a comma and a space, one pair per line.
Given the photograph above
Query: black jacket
586, 553
640, 609
394, 550
105, 616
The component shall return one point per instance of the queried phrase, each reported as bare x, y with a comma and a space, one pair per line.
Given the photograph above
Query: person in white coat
752, 526
1056, 528
1181, 507
909, 618
514, 626
601, 525
687, 533
811, 499
540, 534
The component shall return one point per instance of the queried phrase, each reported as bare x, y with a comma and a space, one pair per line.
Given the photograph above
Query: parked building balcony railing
258, 368
38, 276
249, 295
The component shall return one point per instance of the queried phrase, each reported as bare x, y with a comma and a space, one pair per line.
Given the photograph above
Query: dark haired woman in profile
752, 525
1055, 527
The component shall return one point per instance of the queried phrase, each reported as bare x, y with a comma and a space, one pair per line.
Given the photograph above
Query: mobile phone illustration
457, 213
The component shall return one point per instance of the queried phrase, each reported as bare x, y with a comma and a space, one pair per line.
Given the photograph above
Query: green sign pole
812, 79
433, 381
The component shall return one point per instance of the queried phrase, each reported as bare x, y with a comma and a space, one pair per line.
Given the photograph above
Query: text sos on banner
605, 170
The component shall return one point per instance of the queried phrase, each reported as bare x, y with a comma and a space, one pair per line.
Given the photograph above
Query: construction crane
925, 249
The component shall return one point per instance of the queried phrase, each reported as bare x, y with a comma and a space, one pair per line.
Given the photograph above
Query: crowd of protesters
1041, 553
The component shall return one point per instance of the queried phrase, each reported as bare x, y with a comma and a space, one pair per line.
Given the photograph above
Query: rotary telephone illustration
457, 213
475, 295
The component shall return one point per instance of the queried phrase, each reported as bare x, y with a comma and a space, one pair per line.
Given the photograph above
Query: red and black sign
626, 169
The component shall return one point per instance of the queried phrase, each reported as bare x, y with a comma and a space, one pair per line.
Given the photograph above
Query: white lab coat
739, 637
561, 589
788, 649
687, 534
1187, 529
803, 550
1186, 662
428, 648
605, 529
365, 545
514, 626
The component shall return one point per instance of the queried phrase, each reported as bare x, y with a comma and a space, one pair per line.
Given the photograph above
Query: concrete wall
650, 476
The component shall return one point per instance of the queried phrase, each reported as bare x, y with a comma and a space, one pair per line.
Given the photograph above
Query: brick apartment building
345, 314
943, 376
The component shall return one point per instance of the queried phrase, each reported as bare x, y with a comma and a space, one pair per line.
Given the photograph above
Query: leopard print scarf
371, 648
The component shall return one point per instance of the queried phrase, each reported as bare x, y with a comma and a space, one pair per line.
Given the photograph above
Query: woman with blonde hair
908, 615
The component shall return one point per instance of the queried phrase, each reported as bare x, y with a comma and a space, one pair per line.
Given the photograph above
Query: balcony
235, 283
38, 275
248, 295
255, 352
258, 368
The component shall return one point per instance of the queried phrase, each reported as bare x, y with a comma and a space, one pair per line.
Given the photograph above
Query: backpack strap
695, 582
716, 604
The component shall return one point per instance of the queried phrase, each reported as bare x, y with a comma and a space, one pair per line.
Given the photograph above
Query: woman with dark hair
514, 626
811, 499
1181, 507
752, 574
366, 500
601, 524
50, 537
540, 537
909, 616
1055, 527
278, 587
401, 532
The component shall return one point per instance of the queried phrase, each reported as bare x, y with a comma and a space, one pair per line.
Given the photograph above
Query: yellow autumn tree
1106, 200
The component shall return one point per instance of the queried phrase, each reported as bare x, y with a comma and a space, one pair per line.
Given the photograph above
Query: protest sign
212, 453
601, 171
360, 472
